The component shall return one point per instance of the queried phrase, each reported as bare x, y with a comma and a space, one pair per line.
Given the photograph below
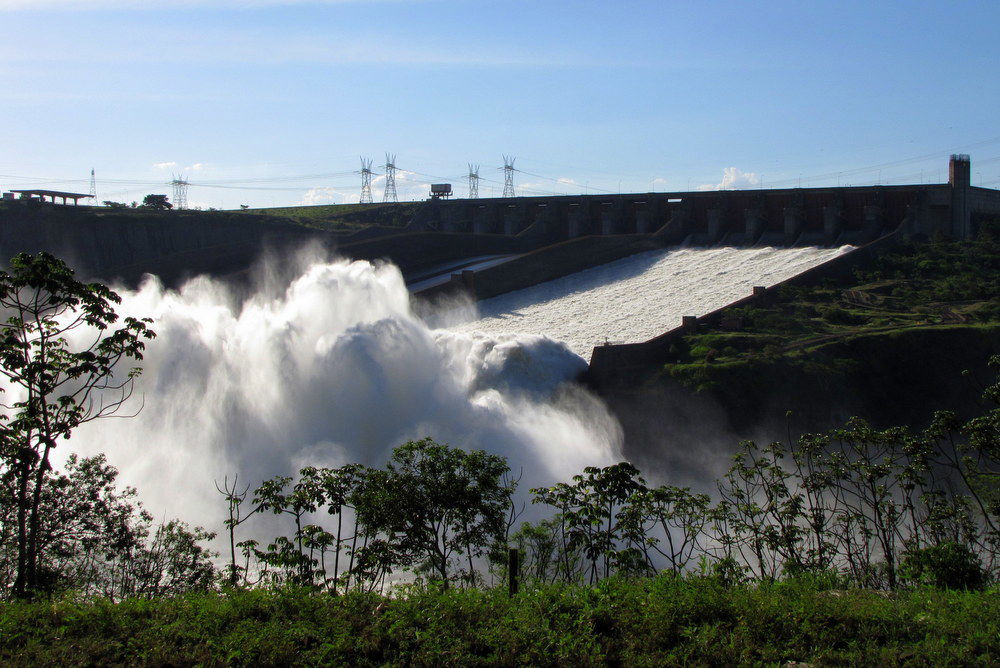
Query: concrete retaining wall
543, 265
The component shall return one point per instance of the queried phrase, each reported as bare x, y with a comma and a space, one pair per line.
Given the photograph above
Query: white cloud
196, 167
733, 179
321, 196
164, 165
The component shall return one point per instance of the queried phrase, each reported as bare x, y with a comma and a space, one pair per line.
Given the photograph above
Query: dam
308, 359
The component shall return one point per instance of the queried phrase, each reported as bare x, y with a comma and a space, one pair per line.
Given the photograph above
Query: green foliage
95, 540
433, 503
433, 509
947, 565
650, 621
156, 202
57, 388
597, 519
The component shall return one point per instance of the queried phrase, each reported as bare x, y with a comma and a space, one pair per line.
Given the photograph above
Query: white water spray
335, 369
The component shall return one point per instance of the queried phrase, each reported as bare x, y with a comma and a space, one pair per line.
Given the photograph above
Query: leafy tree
539, 547
597, 517
97, 540
431, 504
290, 555
681, 515
302, 558
157, 202
53, 388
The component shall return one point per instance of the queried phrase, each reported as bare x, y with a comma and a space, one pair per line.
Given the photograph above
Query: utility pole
180, 185
508, 176
473, 181
389, 194
366, 181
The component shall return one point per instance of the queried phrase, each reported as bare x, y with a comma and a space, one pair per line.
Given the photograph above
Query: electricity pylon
389, 194
366, 181
508, 176
180, 185
473, 181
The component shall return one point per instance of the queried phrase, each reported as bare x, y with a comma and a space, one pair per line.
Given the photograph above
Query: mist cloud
733, 179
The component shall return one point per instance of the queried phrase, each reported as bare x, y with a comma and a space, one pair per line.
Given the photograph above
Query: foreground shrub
666, 620
948, 566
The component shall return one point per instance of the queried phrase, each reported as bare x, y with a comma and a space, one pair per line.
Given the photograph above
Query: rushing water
642, 296
335, 367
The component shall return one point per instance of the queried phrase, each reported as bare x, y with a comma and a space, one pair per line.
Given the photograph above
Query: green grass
345, 217
659, 621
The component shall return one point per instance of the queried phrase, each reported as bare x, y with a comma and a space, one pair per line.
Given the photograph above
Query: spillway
641, 296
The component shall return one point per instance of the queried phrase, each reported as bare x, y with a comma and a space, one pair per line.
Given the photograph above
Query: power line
549, 178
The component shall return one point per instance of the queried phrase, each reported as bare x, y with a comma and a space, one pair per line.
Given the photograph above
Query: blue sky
277, 99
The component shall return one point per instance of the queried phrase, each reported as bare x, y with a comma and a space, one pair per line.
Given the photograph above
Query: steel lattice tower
389, 194
366, 181
180, 185
508, 176
473, 181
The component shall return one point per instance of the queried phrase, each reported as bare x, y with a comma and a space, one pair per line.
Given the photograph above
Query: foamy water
641, 296
334, 369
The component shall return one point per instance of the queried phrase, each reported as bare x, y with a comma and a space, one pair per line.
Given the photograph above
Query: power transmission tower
93, 187
508, 176
366, 181
473, 181
180, 185
389, 194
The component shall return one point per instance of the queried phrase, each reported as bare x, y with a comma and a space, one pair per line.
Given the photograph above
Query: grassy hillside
931, 300
345, 217
660, 621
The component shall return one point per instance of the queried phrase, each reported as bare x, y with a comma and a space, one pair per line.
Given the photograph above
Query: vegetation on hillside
935, 285
346, 217
658, 621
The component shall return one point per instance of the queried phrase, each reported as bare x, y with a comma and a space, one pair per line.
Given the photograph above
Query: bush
946, 566
836, 315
